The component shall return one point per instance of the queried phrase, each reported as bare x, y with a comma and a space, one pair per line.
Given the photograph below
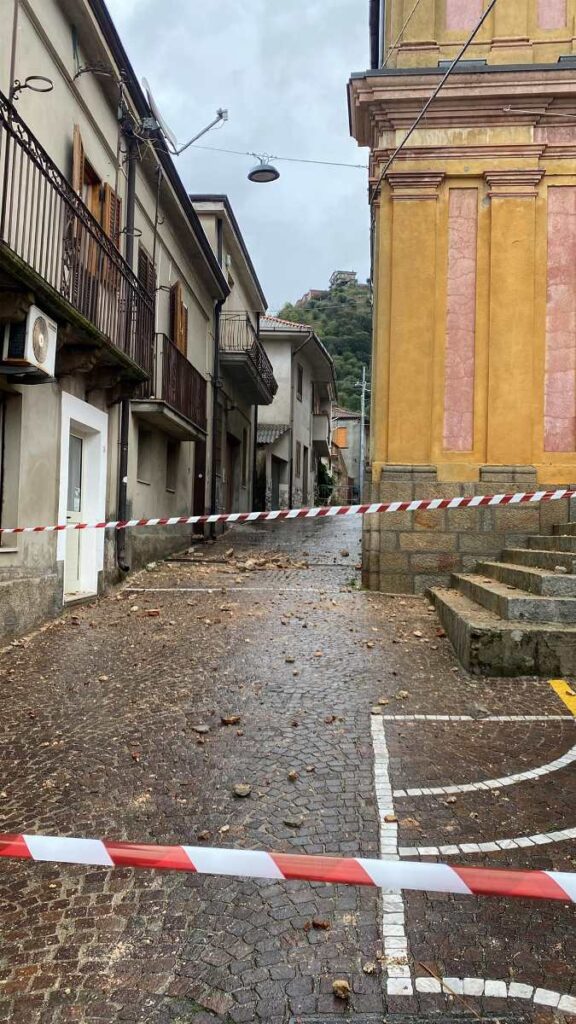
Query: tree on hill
342, 319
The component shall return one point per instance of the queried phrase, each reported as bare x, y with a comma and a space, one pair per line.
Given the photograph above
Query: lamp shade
263, 172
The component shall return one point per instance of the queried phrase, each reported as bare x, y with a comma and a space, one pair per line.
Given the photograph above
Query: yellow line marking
565, 692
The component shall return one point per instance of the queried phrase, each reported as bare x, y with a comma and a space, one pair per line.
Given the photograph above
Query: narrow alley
257, 662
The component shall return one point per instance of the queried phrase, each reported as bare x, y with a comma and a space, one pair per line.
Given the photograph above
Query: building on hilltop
340, 277
474, 359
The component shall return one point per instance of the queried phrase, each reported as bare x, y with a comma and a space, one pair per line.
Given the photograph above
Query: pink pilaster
461, 321
551, 14
560, 379
462, 14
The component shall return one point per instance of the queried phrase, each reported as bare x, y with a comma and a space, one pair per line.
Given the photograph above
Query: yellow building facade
474, 240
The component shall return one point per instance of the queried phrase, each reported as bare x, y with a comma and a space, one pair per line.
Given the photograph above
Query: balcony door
74, 514
83, 459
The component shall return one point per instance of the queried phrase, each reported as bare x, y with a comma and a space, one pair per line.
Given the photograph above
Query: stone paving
101, 713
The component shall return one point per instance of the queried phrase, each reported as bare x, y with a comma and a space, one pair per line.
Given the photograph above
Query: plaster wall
524, 31
279, 352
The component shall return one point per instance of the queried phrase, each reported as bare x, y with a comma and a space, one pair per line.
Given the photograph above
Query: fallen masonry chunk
341, 989
201, 729
242, 790
230, 719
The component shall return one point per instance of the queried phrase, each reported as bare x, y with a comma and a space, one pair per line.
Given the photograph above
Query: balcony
244, 357
322, 434
51, 244
174, 399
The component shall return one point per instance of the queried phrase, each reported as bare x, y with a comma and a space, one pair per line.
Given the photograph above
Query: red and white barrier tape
385, 874
523, 498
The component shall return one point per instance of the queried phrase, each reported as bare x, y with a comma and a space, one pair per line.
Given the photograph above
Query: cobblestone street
113, 725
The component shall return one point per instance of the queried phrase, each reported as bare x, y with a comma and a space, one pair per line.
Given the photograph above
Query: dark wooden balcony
242, 354
174, 399
52, 245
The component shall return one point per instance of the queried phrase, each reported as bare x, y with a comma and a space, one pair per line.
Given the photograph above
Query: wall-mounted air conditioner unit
31, 345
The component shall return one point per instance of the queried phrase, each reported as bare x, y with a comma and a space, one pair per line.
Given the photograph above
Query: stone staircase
516, 616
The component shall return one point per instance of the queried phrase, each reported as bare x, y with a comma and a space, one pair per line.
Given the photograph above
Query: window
172, 460
178, 318
300, 384
102, 201
244, 458
298, 459
144, 470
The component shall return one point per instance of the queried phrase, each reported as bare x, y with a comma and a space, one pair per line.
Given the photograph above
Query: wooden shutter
183, 346
340, 437
146, 272
178, 318
78, 160
112, 215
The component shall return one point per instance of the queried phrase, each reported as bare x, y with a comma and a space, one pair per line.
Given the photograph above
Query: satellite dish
166, 131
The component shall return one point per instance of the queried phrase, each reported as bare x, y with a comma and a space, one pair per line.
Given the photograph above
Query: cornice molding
517, 184
414, 185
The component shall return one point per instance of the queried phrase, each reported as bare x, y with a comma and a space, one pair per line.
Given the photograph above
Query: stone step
515, 605
543, 582
555, 543
539, 559
487, 645
564, 530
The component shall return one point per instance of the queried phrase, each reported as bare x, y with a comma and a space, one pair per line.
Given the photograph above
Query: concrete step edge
506, 591
486, 621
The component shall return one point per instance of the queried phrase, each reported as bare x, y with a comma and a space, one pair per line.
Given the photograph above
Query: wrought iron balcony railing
238, 334
45, 224
178, 383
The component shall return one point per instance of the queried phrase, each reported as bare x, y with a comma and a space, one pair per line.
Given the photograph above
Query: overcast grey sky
281, 68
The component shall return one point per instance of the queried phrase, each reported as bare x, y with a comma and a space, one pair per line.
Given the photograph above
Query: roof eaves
224, 200
110, 33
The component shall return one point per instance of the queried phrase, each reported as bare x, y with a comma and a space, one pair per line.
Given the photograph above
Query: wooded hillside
342, 319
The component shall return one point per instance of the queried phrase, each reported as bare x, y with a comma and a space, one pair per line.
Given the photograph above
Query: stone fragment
341, 989
242, 790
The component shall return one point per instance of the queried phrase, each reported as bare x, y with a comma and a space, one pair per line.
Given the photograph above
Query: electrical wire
430, 100
400, 37
290, 159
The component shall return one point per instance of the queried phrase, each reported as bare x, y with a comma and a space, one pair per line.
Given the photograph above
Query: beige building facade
295, 430
110, 300
245, 378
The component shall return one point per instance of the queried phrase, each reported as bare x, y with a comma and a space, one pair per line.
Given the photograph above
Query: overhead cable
290, 159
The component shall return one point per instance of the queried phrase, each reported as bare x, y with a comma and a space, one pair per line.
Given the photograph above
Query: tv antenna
171, 140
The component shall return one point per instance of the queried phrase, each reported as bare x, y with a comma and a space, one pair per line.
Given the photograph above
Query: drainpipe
215, 406
255, 438
13, 50
294, 354
125, 403
375, 33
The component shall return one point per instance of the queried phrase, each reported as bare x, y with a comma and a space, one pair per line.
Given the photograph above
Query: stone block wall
409, 552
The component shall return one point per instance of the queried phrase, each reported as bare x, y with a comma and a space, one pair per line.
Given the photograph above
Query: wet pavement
101, 713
